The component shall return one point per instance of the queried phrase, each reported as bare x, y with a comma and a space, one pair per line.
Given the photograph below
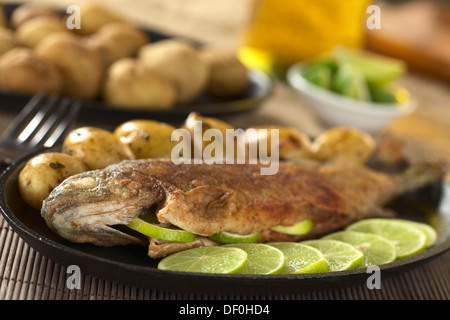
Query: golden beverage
282, 32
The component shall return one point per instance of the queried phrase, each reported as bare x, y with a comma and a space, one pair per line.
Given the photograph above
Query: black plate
260, 88
131, 266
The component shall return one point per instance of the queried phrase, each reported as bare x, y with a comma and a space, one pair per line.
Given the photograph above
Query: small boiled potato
31, 32
228, 77
115, 41
43, 173
147, 138
108, 51
3, 18
130, 38
94, 16
22, 71
80, 66
130, 85
206, 122
96, 147
29, 11
180, 63
7, 40
343, 143
197, 124
292, 143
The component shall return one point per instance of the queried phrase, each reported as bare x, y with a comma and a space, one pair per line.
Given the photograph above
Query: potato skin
31, 32
24, 72
94, 16
29, 11
228, 77
180, 63
43, 173
343, 144
80, 66
147, 138
116, 40
96, 147
7, 40
128, 84
292, 143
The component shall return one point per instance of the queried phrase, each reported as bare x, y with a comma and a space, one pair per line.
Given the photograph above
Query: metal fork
41, 123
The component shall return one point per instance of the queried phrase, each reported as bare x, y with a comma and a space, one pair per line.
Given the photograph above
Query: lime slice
228, 237
340, 255
408, 240
216, 259
261, 258
161, 231
376, 69
297, 229
300, 258
318, 74
385, 94
349, 81
376, 249
430, 233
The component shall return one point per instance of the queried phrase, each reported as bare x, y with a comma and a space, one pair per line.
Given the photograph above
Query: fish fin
210, 196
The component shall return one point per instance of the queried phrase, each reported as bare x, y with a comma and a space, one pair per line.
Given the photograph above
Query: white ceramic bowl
336, 110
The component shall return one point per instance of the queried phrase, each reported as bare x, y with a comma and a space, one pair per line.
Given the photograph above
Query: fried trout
209, 198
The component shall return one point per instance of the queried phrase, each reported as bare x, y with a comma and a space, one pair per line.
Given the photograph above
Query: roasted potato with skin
180, 63
292, 143
343, 143
228, 77
29, 11
80, 66
129, 84
7, 40
43, 173
24, 72
31, 32
147, 138
96, 147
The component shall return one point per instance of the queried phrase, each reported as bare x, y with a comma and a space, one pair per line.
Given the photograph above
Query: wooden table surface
221, 22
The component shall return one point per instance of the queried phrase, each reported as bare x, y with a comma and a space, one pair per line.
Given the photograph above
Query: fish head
90, 206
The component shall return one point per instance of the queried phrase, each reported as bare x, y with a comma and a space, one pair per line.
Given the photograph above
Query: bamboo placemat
25, 274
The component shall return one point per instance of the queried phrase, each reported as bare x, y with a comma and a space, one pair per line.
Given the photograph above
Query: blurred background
271, 35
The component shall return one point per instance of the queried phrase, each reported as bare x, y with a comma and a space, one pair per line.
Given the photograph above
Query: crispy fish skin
210, 198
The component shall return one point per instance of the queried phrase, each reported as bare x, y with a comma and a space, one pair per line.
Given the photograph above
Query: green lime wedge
261, 258
216, 259
430, 233
161, 231
300, 258
297, 229
318, 74
407, 239
229, 237
385, 94
340, 255
376, 249
349, 81
376, 69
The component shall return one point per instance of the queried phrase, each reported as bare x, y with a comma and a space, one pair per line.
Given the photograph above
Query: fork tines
42, 121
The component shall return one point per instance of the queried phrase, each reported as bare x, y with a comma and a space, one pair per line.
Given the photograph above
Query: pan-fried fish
210, 198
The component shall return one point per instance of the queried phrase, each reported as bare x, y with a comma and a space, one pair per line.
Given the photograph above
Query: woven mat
27, 275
